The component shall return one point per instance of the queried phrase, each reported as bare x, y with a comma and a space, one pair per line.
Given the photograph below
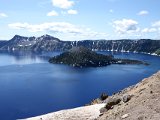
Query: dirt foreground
143, 105
81, 113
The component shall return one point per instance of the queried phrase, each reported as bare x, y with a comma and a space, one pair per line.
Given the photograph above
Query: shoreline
152, 54
143, 93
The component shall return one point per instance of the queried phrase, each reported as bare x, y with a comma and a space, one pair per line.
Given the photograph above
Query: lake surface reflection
31, 86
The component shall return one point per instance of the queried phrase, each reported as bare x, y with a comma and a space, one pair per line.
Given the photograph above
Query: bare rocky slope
138, 102
144, 103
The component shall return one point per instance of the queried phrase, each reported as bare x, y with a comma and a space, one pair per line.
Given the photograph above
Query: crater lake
31, 86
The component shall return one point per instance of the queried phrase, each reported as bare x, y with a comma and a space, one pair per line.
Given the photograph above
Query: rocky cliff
49, 43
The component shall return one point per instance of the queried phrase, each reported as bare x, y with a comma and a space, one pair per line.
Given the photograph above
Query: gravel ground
144, 105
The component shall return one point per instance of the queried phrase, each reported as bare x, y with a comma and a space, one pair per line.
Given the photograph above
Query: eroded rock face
50, 43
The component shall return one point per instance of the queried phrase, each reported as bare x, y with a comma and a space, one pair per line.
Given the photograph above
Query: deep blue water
31, 86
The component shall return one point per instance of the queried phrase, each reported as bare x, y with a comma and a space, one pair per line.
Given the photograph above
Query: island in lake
84, 57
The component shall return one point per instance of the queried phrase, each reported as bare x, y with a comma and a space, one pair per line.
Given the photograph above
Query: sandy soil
80, 113
144, 105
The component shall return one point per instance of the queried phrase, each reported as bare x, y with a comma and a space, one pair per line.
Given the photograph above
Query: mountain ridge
50, 43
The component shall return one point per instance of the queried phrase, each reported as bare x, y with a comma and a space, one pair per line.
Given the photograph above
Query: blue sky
80, 19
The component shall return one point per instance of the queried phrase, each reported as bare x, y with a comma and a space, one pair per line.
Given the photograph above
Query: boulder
124, 116
111, 102
103, 96
103, 110
126, 98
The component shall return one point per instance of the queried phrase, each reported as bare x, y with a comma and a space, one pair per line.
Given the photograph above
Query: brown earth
143, 105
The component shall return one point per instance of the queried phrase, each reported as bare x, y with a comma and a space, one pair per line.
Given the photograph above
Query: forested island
84, 57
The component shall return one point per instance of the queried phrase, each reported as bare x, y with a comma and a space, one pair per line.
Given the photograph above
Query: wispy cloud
57, 27
52, 13
62, 27
43, 4
154, 28
64, 4
143, 12
3, 15
156, 24
72, 12
149, 30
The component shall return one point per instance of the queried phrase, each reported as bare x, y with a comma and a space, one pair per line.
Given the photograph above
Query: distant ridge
50, 43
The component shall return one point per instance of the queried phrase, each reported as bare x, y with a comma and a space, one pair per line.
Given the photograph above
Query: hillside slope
143, 105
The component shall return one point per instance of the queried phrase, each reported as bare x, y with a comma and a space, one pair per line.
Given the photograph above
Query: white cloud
52, 13
19, 25
2, 15
156, 24
52, 26
72, 12
64, 4
149, 30
57, 27
154, 28
143, 12
125, 26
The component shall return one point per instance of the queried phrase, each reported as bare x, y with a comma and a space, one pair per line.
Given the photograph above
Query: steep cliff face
144, 45
49, 43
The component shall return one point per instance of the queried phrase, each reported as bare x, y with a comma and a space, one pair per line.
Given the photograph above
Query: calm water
31, 86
